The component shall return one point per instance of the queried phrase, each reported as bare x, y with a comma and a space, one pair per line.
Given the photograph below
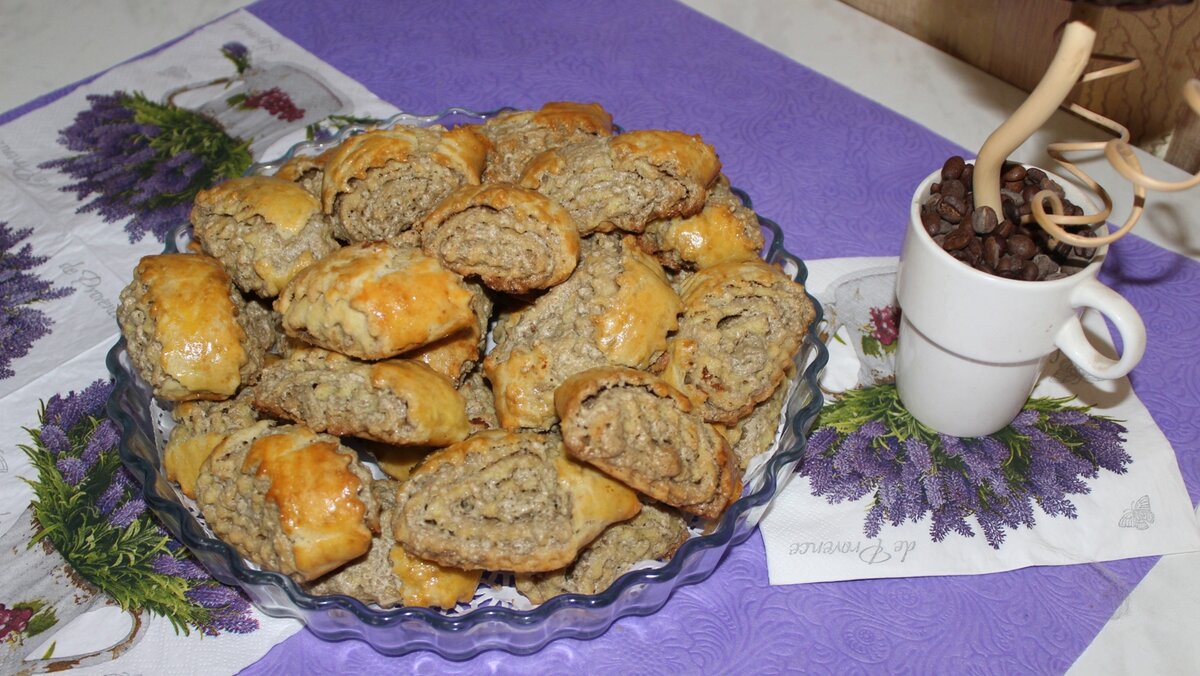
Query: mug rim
914, 222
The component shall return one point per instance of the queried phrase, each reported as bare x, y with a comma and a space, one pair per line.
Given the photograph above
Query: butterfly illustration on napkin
1139, 515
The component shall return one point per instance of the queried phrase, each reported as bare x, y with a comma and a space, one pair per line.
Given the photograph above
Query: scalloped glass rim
405, 629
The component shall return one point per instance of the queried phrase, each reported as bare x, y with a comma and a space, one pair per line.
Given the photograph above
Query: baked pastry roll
306, 170
636, 428
387, 575
655, 533
457, 354
189, 333
506, 501
373, 301
513, 239
743, 322
481, 404
628, 180
379, 183
724, 230
396, 401
756, 433
263, 230
201, 426
288, 499
517, 136
617, 308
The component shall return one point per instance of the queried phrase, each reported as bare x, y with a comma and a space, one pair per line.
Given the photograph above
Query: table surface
1156, 624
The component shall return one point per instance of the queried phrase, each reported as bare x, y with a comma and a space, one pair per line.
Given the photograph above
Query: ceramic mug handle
1075, 345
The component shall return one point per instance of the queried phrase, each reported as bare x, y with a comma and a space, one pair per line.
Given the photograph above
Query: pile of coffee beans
999, 244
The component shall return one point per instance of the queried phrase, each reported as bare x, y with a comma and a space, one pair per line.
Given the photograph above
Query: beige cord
1069, 61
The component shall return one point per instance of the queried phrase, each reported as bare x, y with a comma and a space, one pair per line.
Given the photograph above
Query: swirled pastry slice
396, 401
513, 239
201, 426
306, 170
187, 329
517, 136
374, 300
638, 429
506, 501
655, 533
617, 308
379, 183
742, 324
628, 180
724, 230
756, 433
263, 230
388, 576
288, 499
457, 354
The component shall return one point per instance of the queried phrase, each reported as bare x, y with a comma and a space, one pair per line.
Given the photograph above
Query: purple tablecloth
836, 171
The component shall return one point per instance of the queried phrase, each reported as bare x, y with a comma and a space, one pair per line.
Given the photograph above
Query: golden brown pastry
655, 533
263, 230
379, 183
518, 135
395, 401
756, 433
306, 170
288, 499
373, 301
427, 584
615, 309
506, 501
636, 428
625, 181
457, 354
187, 329
743, 322
724, 230
513, 239
201, 426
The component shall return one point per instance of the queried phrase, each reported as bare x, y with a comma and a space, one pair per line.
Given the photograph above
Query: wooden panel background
1014, 40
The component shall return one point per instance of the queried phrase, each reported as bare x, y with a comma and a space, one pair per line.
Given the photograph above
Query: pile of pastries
336, 315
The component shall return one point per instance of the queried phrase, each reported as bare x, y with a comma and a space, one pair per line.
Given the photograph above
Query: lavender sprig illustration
145, 161
866, 443
87, 506
20, 324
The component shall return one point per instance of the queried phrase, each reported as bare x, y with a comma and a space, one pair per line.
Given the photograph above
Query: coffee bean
1029, 271
1005, 229
954, 187
1011, 210
1021, 245
1013, 186
952, 208
968, 174
993, 248
974, 250
1035, 175
953, 168
931, 222
957, 240
935, 188
1014, 173
1046, 265
984, 221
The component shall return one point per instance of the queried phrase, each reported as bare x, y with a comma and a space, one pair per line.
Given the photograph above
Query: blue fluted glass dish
461, 634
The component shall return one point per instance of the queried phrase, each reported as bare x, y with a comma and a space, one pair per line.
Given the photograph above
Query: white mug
972, 345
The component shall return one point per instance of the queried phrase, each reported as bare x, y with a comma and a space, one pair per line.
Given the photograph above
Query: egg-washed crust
724, 230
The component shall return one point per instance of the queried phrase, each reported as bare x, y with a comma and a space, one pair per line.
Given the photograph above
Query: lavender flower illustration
20, 324
867, 444
87, 506
145, 161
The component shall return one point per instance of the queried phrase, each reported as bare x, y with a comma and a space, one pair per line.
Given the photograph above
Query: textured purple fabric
836, 171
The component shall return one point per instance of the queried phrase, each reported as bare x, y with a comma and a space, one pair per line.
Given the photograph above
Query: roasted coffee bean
1027, 193
931, 222
1052, 186
952, 208
1029, 271
984, 221
936, 188
954, 187
1006, 228
1021, 245
1014, 173
1011, 210
953, 168
967, 174
993, 248
957, 239
1013, 186
1035, 175
1046, 265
